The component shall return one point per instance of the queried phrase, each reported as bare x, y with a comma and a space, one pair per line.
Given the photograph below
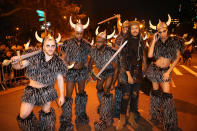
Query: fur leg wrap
28, 124
66, 117
106, 119
80, 109
47, 120
169, 113
117, 102
100, 95
155, 106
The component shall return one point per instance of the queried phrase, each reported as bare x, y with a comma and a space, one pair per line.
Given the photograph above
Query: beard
135, 34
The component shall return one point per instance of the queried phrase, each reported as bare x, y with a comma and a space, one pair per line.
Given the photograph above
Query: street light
141, 26
17, 28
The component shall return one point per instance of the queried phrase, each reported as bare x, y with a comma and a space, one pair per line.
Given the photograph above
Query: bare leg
46, 107
26, 119
155, 86
165, 87
108, 82
25, 109
81, 86
69, 88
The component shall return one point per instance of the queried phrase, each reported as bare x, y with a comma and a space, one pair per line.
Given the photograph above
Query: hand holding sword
111, 59
18, 58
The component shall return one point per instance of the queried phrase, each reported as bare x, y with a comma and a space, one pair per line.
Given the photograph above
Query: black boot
47, 120
155, 107
170, 122
84, 98
80, 109
117, 102
100, 95
28, 124
66, 117
77, 109
106, 119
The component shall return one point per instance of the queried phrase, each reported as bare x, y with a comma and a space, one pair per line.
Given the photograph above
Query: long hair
127, 34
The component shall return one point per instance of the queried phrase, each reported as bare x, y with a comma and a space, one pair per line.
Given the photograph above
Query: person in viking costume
100, 55
42, 70
131, 59
122, 36
166, 50
75, 50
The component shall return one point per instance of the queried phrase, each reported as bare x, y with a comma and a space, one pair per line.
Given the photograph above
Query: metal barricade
11, 77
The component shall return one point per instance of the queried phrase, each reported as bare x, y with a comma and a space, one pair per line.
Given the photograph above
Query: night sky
131, 9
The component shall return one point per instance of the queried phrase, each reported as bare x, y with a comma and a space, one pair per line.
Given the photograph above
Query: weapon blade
111, 59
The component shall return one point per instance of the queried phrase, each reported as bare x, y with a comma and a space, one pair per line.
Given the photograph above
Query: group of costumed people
75, 66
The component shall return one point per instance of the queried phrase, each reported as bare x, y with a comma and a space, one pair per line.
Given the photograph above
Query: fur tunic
74, 52
101, 59
45, 72
169, 48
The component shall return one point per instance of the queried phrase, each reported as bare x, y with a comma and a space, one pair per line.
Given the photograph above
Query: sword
108, 19
111, 59
7, 62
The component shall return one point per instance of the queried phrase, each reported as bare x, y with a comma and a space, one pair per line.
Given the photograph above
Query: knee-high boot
155, 106
47, 120
100, 95
170, 122
80, 109
28, 124
84, 99
106, 119
117, 102
66, 117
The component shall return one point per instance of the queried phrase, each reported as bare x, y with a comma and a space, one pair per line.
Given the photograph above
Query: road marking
189, 70
195, 67
177, 72
172, 83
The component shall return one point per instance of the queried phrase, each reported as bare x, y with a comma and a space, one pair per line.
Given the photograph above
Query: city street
183, 87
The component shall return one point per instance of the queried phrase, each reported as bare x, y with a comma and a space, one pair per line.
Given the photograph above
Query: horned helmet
78, 27
161, 24
103, 35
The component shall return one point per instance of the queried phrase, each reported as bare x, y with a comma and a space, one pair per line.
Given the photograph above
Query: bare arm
174, 62
118, 20
115, 67
90, 62
63, 57
151, 48
60, 80
19, 65
166, 75
145, 60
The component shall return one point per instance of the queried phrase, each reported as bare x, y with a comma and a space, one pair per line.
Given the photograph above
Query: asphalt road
183, 87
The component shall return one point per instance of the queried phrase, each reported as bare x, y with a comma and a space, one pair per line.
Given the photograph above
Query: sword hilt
97, 76
19, 55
